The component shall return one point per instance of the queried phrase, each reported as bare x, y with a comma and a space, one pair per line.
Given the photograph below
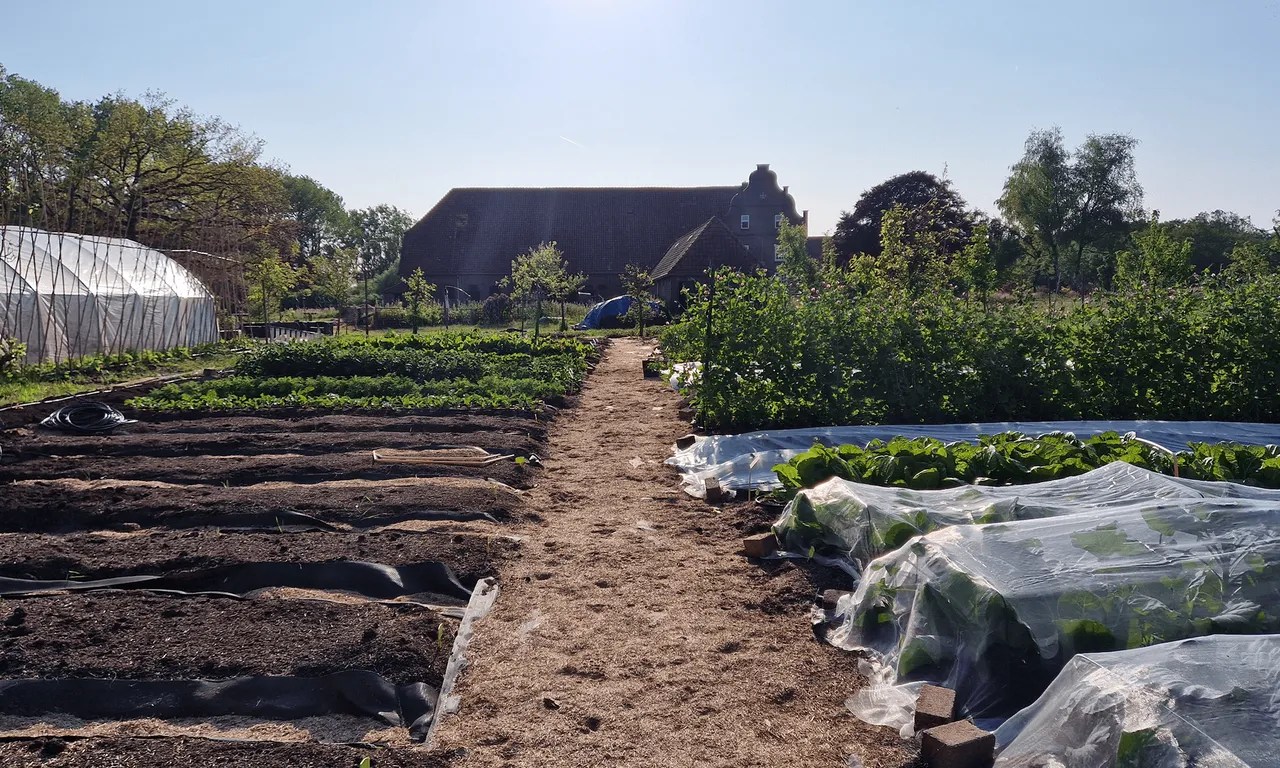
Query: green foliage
1007, 458
1066, 203
866, 350
540, 275
933, 210
439, 370
269, 276
638, 284
797, 267
12, 355
96, 367
497, 309
417, 294
1158, 263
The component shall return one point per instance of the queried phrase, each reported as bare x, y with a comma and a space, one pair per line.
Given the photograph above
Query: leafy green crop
1012, 458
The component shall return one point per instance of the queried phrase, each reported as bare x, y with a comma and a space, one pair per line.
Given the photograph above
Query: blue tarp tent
609, 313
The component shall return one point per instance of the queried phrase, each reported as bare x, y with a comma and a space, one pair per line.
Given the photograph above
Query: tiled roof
478, 231
710, 243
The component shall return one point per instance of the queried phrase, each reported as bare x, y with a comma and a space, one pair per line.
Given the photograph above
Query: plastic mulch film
995, 611
859, 522
729, 458
1211, 701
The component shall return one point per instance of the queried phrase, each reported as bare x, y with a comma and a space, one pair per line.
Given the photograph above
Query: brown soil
42, 442
236, 470
201, 753
68, 505
138, 636
471, 556
632, 632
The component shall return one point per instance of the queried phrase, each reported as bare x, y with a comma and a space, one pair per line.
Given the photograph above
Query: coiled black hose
86, 419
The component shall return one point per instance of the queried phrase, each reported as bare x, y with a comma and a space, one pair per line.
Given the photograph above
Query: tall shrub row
841, 352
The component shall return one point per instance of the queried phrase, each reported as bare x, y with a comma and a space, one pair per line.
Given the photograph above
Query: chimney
805, 218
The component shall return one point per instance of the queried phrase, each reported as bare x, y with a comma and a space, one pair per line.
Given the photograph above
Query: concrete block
934, 706
957, 745
760, 545
686, 441
715, 494
831, 598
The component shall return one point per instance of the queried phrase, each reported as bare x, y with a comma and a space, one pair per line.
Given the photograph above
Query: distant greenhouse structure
67, 296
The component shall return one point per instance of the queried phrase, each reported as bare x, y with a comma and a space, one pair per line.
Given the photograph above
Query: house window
777, 221
746, 221
777, 253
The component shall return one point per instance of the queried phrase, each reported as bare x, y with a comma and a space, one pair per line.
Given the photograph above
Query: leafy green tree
1066, 203
333, 275
797, 268
859, 230
417, 295
637, 284
1247, 262
539, 275
321, 219
1214, 235
270, 277
1157, 262
377, 234
976, 267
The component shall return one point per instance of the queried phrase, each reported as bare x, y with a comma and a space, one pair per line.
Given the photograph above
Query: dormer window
745, 223
777, 221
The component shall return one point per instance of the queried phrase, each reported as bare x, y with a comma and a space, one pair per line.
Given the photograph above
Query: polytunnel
68, 296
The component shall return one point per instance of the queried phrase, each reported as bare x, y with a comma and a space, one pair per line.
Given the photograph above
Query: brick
957, 745
715, 494
934, 706
831, 598
686, 441
760, 545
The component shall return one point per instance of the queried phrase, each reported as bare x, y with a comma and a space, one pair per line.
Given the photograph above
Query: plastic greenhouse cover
995, 611
860, 522
1206, 702
729, 458
66, 295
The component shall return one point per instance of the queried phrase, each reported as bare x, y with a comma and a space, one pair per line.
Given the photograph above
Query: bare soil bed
471, 556
137, 637
201, 753
70, 505
214, 501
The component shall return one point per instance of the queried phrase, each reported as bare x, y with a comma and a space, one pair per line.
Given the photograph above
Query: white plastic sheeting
859, 522
1212, 701
728, 458
995, 611
67, 296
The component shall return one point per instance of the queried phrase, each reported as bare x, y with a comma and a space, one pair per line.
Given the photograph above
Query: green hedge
1208, 351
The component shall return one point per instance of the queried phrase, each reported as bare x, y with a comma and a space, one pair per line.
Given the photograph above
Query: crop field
243, 568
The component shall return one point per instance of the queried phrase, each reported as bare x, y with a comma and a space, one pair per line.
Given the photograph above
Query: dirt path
631, 632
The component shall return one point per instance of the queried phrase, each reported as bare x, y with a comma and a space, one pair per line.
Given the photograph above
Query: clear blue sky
399, 101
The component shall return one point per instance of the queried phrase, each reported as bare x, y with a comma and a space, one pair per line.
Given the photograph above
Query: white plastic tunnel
67, 296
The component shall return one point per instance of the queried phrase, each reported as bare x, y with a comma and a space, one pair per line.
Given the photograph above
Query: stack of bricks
946, 742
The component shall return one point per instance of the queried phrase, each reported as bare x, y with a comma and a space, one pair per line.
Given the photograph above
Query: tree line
150, 170
1069, 219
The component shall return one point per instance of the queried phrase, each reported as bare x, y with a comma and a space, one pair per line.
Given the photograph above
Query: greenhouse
68, 296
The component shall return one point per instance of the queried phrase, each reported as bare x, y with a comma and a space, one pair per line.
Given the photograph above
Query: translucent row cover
996, 610
741, 462
859, 522
1212, 701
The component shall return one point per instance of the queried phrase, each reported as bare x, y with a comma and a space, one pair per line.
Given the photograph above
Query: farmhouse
470, 237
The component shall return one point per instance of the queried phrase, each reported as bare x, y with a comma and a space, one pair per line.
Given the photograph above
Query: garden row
845, 354
433, 371
260, 576
1014, 458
